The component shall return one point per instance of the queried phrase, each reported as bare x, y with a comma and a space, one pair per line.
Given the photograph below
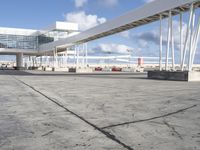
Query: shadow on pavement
91, 75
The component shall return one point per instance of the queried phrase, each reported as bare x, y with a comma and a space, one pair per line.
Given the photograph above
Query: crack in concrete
173, 129
107, 134
48, 133
149, 119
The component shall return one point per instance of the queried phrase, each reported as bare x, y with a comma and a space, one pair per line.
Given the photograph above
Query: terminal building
19, 42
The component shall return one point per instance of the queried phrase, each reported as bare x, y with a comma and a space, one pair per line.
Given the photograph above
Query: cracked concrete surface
29, 120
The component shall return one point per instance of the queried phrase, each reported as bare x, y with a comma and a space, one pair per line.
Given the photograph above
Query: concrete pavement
103, 112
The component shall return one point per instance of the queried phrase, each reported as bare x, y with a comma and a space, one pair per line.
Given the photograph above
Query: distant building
15, 41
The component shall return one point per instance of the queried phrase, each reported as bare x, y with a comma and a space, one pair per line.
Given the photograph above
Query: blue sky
39, 14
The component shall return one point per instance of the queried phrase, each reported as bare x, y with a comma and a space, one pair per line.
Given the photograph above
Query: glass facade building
18, 41
52, 36
29, 42
29, 39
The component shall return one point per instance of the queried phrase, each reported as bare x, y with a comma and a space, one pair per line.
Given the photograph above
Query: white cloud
125, 34
149, 1
153, 36
80, 3
84, 21
109, 3
113, 48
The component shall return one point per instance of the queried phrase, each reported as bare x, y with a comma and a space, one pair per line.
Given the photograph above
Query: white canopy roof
17, 31
146, 14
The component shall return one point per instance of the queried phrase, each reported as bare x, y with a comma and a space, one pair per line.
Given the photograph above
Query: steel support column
77, 55
19, 60
181, 37
172, 42
168, 40
191, 41
55, 59
86, 54
196, 40
83, 54
161, 44
187, 37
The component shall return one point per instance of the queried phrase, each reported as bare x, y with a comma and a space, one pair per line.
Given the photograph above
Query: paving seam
149, 119
107, 134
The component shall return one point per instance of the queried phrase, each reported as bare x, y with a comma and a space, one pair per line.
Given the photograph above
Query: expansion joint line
173, 129
107, 134
149, 119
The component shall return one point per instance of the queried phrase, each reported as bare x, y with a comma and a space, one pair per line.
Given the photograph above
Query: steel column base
20, 68
174, 76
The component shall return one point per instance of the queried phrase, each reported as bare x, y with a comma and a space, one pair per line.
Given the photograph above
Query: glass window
18, 41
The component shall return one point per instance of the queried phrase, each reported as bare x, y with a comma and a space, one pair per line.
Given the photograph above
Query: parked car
116, 69
3, 66
98, 69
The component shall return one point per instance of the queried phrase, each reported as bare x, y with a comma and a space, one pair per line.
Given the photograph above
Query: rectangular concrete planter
81, 70
84, 70
174, 75
60, 69
72, 70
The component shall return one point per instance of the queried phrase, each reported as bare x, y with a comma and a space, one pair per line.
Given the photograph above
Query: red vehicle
98, 69
116, 69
